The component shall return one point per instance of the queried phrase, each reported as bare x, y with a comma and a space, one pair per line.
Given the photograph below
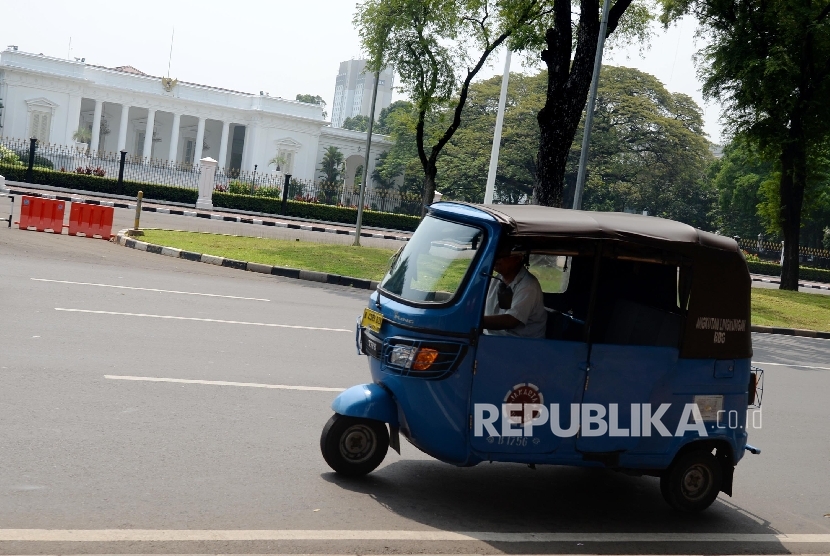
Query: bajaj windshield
434, 263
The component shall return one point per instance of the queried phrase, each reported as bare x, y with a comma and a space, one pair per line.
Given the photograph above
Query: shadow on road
514, 498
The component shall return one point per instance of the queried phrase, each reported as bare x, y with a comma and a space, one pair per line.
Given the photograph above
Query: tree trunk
791, 189
429, 187
558, 122
567, 93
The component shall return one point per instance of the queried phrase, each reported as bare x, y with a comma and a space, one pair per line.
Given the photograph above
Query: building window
189, 151
139, 144
40, 126
287, 165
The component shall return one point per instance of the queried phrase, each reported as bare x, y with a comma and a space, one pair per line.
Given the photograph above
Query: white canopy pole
494, 153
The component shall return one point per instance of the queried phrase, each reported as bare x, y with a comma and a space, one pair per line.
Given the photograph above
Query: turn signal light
425, 358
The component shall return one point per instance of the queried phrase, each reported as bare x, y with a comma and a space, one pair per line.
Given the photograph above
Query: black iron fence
16, 154
771, 251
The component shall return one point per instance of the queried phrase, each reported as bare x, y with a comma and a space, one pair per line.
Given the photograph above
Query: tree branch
462, 98
615, 14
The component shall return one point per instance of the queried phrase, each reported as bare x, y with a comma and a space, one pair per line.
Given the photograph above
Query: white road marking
203, 320
154, 535
225, 383
788, 365
148, 289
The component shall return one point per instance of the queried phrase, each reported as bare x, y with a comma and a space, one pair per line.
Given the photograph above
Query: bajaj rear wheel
693, 481
353, 446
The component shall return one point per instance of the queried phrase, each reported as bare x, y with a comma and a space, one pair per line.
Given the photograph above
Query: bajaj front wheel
353, 446
692, 483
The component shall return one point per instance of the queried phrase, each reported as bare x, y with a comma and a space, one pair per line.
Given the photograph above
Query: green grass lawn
769, 307
346, 260
790, 309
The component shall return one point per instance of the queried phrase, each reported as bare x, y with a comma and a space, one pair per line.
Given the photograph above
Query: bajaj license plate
372, 346
372, 320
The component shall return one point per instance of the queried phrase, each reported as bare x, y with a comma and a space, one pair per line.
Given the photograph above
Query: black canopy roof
533, 220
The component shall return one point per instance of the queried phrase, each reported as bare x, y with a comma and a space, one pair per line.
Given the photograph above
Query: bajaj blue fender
367, 401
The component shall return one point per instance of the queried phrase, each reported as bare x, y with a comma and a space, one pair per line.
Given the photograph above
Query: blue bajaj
644, 364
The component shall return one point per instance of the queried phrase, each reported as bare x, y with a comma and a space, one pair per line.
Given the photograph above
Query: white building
51, 98
353, 92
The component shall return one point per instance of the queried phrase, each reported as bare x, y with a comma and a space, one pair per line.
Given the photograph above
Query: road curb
123, 238
790, 332
800, 285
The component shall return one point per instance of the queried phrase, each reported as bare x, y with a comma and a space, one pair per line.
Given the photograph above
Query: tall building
353, 91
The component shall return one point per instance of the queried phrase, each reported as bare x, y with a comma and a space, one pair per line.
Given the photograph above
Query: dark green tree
331, 167
314, 99
401, 162
463, 168
737, 179
382, 126
569, 44
746, 186
648, 151
357, 123
769, 63
438, 47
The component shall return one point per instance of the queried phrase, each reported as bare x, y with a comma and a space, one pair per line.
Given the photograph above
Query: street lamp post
589, 114
494, 152
366, 162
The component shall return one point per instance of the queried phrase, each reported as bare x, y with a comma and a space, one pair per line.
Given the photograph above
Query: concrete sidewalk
771, 282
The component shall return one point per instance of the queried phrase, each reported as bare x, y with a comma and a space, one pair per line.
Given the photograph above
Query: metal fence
308, 191
79, 160
771, 251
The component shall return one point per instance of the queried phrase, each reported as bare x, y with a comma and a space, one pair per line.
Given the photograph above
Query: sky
282, 47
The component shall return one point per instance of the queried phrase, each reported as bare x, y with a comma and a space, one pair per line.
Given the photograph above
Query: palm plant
279, 161
83, 135
331, 167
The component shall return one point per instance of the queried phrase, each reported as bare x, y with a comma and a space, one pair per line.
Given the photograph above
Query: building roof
129, 69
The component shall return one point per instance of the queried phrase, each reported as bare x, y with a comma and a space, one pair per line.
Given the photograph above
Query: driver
515, 306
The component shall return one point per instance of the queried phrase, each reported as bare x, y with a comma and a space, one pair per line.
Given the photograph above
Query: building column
249, 147
148, 134
73, 118
200, 140
174, 138
223, 144
96, 126
122, 127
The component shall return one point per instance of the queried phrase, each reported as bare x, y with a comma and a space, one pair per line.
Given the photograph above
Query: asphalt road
171, 467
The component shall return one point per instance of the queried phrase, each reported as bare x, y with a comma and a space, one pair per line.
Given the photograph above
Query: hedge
84, 182
773, 269
328, 213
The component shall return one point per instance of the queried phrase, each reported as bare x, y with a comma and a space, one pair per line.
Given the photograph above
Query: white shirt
528, 306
